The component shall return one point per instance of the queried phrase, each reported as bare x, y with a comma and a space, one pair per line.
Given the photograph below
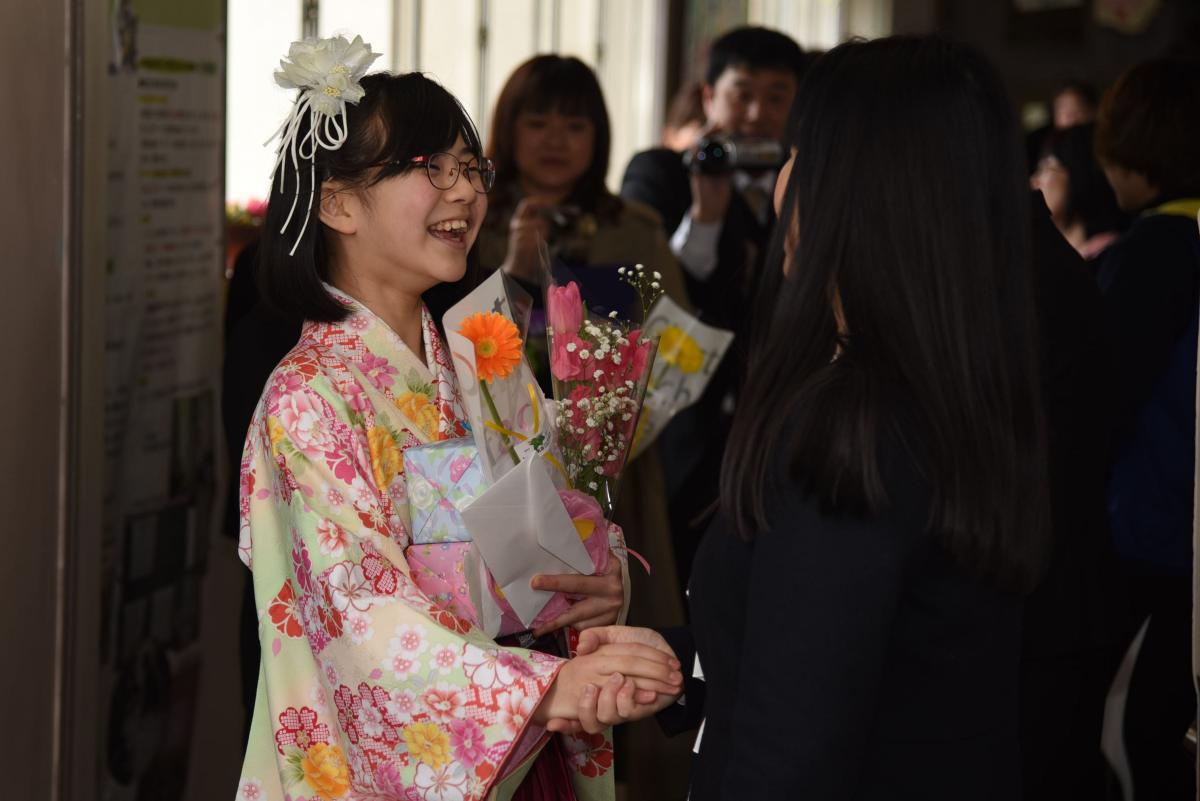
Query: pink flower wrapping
587, 515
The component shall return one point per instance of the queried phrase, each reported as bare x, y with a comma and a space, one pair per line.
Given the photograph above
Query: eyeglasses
443, 170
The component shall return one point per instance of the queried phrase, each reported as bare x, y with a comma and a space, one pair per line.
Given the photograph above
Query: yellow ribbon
537, 427
537, 408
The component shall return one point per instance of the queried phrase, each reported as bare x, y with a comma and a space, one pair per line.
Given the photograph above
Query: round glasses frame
443, 171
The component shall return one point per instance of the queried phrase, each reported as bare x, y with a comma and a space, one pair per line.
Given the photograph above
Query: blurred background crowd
1112, 159
622, 132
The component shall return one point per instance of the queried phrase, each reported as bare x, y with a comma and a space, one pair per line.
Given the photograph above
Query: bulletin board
166, 88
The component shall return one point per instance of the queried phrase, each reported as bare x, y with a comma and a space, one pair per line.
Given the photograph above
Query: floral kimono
367, 690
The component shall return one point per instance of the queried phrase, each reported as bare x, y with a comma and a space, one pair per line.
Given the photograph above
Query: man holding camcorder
715, 201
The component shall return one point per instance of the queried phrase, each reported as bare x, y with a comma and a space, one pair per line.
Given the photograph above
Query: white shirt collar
743, 180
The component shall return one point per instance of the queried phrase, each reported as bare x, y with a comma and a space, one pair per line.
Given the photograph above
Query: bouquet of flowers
689, 353
490, 512
599, 367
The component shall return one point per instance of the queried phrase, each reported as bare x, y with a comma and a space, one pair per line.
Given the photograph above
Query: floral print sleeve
367, 690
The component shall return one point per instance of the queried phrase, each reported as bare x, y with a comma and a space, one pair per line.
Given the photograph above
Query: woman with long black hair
856, 606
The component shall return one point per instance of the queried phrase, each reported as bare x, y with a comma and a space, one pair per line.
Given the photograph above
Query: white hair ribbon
327, 73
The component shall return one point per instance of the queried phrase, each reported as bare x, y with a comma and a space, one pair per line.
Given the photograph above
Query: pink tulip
564, 308
566, 364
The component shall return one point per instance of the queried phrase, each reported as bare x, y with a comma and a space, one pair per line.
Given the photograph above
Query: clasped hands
619, 674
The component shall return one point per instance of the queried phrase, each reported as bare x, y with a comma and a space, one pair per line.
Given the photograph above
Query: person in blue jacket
1148, 141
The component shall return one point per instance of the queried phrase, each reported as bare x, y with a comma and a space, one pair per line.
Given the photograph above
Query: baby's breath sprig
647, 285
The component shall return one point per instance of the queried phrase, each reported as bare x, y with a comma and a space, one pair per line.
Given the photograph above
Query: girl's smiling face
410, 234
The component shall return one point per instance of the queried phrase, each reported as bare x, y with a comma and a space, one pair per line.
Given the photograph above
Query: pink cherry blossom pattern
378, 370
447, 783
468, 740
514, 709
299, 728
331, 537
251, 790
302, 416
348, 588
443, 701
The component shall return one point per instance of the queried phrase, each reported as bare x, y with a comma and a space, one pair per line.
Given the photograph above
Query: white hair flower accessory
327, 73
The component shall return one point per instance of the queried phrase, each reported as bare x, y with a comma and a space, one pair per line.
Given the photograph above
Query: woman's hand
603, 597
617, 700
640, 670
526, 230
596, 638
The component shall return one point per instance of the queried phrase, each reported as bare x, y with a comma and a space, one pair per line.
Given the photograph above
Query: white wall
259, 32
470, 46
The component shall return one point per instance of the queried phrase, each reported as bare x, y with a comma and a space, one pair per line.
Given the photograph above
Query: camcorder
721, 154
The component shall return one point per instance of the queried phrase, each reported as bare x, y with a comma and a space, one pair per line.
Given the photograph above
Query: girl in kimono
367, 689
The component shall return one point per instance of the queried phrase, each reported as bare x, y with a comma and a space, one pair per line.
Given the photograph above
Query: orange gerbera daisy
497, 344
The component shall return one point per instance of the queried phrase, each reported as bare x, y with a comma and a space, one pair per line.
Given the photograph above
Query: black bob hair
756, 49
399, 118
912, 209
1149, 122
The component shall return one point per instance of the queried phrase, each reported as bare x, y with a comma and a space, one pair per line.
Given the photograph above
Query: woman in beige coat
550, 142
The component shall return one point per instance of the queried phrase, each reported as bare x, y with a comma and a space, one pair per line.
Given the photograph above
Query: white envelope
522, 529
486, 608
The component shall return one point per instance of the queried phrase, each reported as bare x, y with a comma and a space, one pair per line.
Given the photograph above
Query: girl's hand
604, 595
526, 230
611, 704
612, 635
615, 701
645, 668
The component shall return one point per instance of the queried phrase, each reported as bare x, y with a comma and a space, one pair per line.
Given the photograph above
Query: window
821, 24
470, 46
258, 35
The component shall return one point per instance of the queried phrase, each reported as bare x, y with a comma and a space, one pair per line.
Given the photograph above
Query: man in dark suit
719, 228
1146, 136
